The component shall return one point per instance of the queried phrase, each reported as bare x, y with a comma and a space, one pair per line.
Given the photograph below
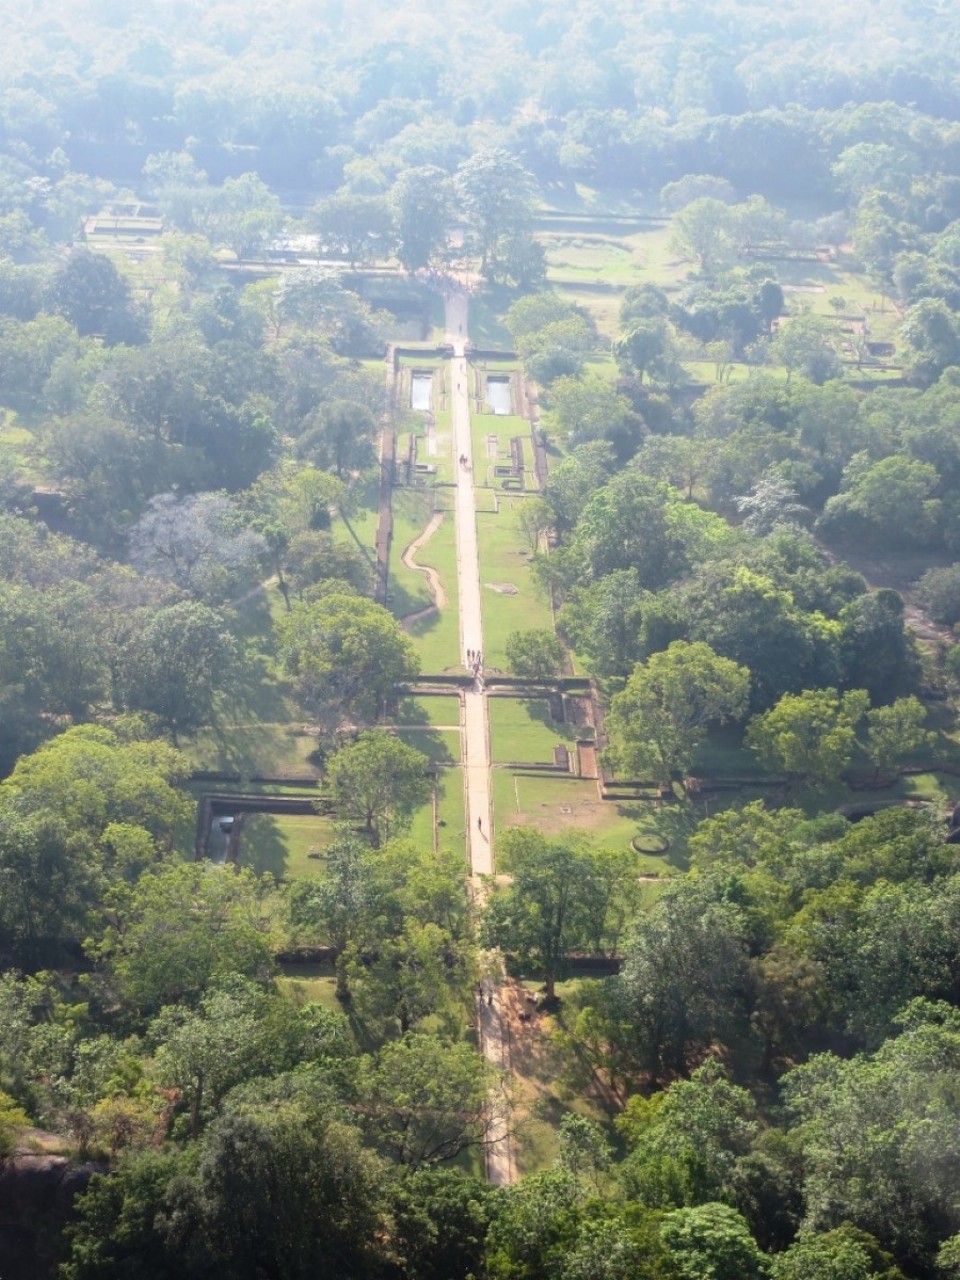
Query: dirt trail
434, 585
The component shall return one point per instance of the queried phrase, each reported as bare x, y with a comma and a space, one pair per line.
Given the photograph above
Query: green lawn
486, 325
491, 436
282, 843
559, 804
523, 731
360, 526
258, 727
262, 749
452, 827
509, 598
310, 983
440, 709
440, 746
437, 635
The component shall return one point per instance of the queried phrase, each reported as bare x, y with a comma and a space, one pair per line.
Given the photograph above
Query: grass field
310, 984
436, 636
451, 828
436, 709
264, 749
509, 598
559, 804
491, 435
440, 746
282, 843
523, 731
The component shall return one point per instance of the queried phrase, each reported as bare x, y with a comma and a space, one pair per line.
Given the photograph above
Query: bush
938, 591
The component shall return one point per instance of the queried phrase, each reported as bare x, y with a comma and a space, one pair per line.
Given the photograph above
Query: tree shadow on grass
540, 709
403, 602
431, 742
674, 823
411, 711
261, 846
422, 626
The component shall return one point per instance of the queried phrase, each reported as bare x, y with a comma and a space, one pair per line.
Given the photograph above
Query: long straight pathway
493, 1030
476, 740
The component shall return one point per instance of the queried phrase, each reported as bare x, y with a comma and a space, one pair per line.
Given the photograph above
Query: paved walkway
476, 754
493, 1031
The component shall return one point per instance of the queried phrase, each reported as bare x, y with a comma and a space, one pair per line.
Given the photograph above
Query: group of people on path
464, 462
475, 661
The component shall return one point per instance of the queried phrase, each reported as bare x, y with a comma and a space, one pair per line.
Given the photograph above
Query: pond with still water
498, 395
420, 391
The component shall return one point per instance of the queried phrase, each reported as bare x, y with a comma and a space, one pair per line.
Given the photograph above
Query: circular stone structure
650, 842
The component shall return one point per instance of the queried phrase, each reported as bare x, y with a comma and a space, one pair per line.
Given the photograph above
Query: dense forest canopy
627, 94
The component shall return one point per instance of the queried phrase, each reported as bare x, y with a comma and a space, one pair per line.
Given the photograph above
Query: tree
116, 1231
948, 1257
29, 353
703, 230
933, 339
338, 906
584, 470
441, 1218
896, 731
340, 436
892, 496
695, 186
712, 1242
877, 650
555, 905
602, 623
812, 734
586, 409
90, 292
656, 723
534, 312
876, 1135
584, 1153
534, 654
51, 652
174, 665
630, 523
683, 979
92, 777
843, 1254
315, 556
557, 350
285, 1191
805, 344
49, 885
938, 591
358, 227
382, 779
244, 213
346, 655
495, 195
183, 928
646, 347
416, 971
422, 202
425, 1102
205, 1051
743, 615
686, 1142
196, 542
772, 503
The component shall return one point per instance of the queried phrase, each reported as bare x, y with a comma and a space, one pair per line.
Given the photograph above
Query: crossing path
493, 1031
